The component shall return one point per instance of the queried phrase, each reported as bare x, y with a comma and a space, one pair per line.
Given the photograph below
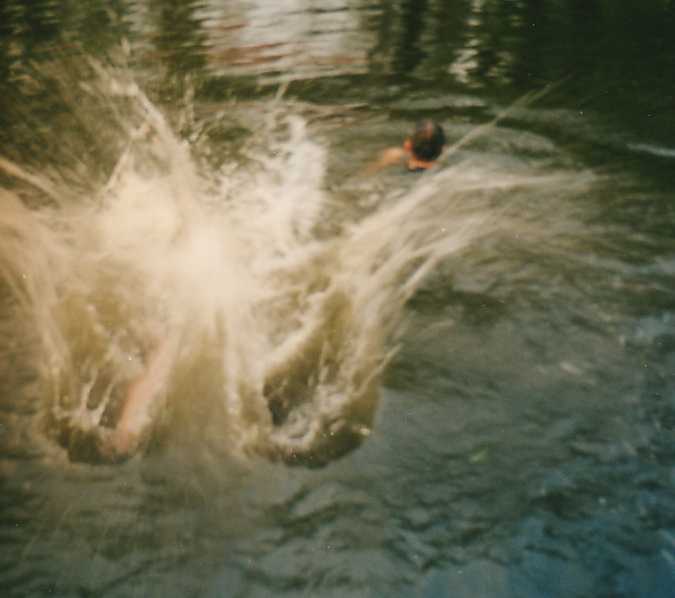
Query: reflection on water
522, 444
474, 43
288, 38
177, 34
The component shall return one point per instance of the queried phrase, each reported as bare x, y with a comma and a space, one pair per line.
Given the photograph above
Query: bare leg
141, 397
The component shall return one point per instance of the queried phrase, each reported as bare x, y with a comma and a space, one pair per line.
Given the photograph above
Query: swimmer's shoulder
391, 156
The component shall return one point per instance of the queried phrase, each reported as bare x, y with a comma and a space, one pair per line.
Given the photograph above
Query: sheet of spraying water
280, 332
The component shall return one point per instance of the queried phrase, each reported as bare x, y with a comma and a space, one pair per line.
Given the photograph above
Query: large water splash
271, 335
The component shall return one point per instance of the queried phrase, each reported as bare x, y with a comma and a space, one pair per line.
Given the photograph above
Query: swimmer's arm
389, 157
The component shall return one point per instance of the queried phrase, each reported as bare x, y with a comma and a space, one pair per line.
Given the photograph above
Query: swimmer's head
427, 141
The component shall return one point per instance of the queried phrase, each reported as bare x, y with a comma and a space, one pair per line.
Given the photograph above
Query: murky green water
523, 441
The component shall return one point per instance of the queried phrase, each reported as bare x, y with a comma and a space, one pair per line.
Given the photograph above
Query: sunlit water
456, 384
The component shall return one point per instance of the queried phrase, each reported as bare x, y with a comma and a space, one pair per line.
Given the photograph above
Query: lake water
472, 370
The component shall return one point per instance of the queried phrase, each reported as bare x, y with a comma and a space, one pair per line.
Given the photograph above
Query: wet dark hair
427, 141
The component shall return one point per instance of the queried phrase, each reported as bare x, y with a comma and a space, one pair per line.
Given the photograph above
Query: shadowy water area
459, 383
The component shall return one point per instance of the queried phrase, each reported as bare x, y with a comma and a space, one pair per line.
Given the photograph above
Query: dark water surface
523, 445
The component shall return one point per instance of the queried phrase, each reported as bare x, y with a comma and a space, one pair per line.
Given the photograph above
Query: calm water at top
523, 442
